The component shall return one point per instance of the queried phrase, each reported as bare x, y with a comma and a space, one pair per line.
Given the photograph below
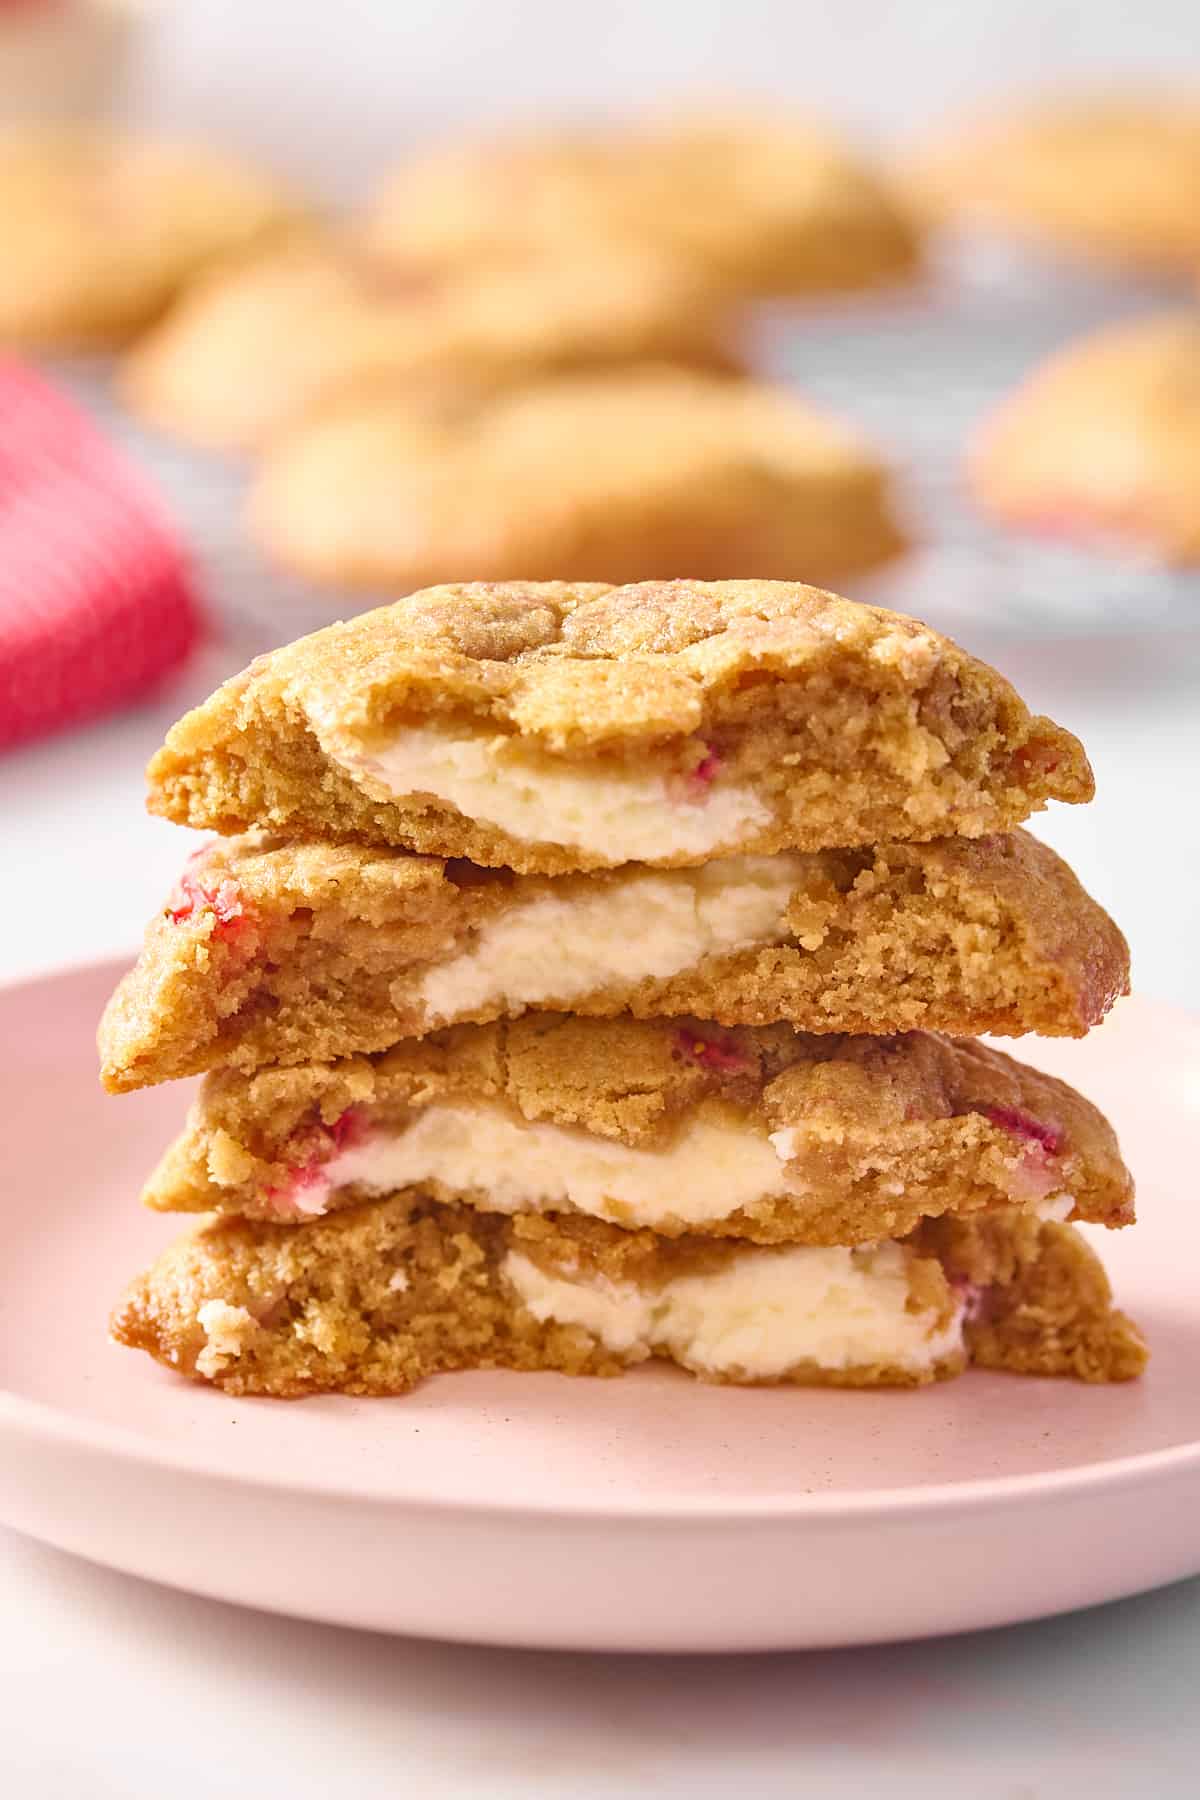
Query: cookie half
672, 1125
378, 1298
102, 230
1103, 441
632, 475
546, 728
308, 326
284, 953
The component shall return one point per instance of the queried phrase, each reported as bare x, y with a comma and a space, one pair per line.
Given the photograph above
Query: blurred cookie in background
1112, 177
474, 200
757, 206
277, 339
1103, 441
645, 475
772, 205
103, 229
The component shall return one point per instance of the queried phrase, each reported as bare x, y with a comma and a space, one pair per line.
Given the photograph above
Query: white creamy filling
636, 927
707, 1173
540, 799
762, 1314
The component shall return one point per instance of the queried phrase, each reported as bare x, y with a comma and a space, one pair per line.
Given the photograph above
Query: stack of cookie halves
591, 974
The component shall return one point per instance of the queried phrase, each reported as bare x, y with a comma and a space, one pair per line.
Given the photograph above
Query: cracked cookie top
550, 726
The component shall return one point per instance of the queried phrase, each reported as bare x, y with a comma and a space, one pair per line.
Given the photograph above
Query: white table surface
111, 1687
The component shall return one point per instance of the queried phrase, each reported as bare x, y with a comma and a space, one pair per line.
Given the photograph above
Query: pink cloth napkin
96, 597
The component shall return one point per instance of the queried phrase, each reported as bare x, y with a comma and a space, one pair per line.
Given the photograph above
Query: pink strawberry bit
1034, 1177
305, 1193
347, 1129
706, 769
692, 788
310, 1195
224, 901
711, 1053
284, 1203
1047, 1137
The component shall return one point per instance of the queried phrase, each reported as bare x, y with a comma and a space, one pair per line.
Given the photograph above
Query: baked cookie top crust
626, 475
1104, 440
549, 727
268, 952
767, 1134
101, 229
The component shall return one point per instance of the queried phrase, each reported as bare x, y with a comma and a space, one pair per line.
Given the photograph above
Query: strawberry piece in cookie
1034, 1131
305, 1191
706, 769
712, 1052
222, 899
694, 787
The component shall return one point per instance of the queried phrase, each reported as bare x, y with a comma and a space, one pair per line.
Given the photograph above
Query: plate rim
63, 1430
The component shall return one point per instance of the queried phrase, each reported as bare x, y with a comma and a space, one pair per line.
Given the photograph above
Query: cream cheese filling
711, 1169
585, 936
708, 1172
227, 1329
764, 1313
630, 816
1055, 1208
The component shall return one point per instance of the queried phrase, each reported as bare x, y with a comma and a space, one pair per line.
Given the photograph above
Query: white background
334, 87
111, 1688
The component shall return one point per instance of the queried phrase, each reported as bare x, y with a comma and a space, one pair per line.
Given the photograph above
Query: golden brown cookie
314, 324
1110, 176
473, 201
546, 727
269, 952
375, 1299
101, 230
633, 475
674, 1126
757, 205
1103, 441
770, 204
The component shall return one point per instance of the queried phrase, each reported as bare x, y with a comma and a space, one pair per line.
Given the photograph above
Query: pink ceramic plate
650, 1513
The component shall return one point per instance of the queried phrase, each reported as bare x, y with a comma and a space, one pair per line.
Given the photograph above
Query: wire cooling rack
916, 372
